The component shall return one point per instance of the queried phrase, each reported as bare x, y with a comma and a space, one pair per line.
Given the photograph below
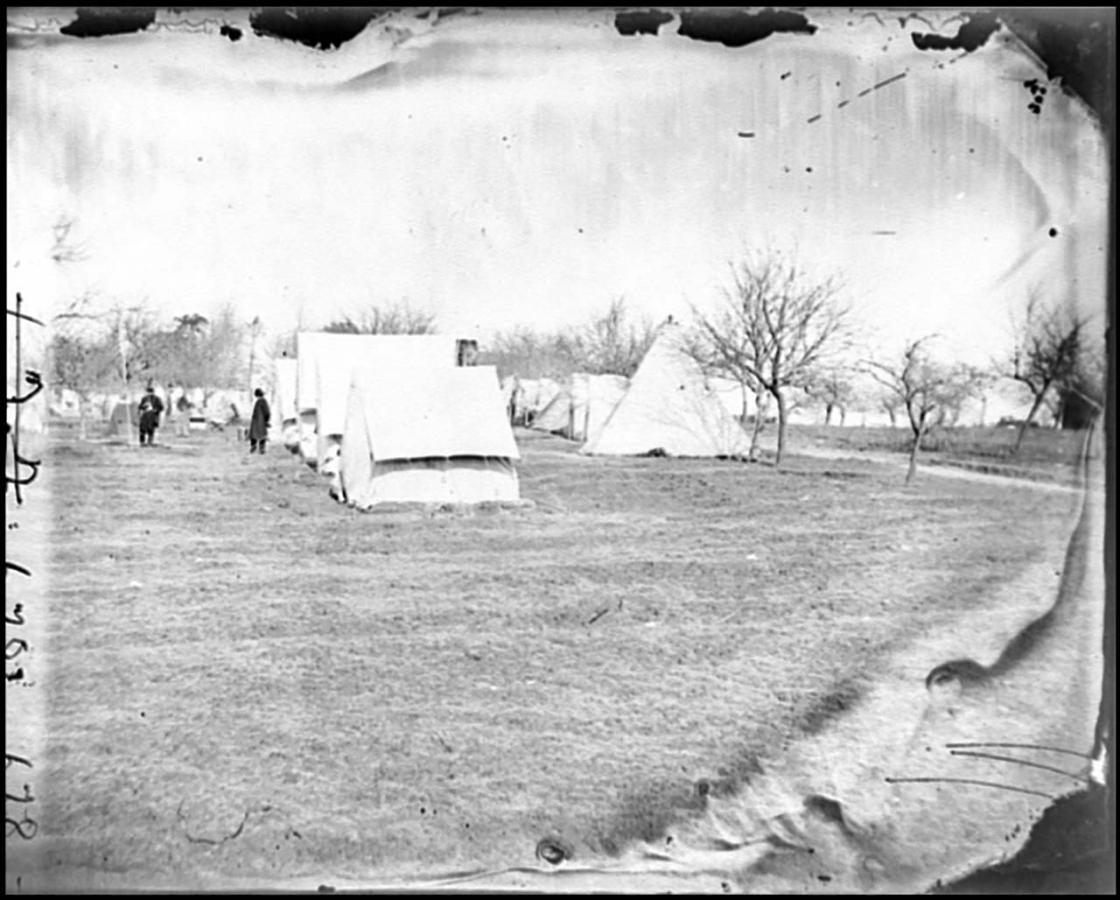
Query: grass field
247, 679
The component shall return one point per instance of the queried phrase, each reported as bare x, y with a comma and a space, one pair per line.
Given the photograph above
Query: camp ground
700, 437
668, 409
439, 435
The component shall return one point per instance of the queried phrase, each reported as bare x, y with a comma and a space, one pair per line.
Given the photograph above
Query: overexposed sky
515, 168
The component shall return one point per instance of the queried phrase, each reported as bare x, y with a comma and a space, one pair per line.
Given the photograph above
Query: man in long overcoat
258, 425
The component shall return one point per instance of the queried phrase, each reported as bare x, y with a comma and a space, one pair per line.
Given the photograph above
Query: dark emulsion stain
638, 22
734, 28
971, 35
100, 22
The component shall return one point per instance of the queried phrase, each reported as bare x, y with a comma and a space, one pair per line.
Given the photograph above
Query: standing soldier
150, 408
258, 425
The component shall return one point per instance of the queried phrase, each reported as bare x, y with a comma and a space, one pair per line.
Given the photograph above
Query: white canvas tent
556, 415
439, 435
325, 363
669, 408
580, 409
594, 398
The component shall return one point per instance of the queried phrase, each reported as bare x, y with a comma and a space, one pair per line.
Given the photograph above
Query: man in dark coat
150, 408
258, 425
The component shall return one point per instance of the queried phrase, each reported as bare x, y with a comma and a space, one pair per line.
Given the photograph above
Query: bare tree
613, 344
1045, 354
923, 387
832, 387
774, 330
80, 359
394, 318
1080, 394
966, 383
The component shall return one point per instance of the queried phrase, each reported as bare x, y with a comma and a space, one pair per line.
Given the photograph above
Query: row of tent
395, 418
120, 411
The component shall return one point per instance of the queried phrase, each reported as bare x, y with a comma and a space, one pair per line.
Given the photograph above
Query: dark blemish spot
322, 28
971, 35
421, 810
637, 22
971, 149
785, 168
234, 34
786, 75
838, 84
733, 28
703, 788
825, 878
1053, 232
842, 104
746, 134
813, 119
200, 159
142, 715
1035, 108
580, 230
101, 22
808, 168
326, 889
553, 850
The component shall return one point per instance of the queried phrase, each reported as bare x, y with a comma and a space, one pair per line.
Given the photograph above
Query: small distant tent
669, 408
594, 398
438, 435
225, 407
533, 396
324, 368
579, 410
556, 415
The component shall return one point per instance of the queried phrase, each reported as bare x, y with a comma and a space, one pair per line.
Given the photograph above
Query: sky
525, 169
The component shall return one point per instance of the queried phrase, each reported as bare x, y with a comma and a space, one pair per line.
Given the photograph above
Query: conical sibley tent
435, 436
669, 409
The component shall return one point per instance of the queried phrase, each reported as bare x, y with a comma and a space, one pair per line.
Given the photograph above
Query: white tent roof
669, 407
451, 412
326, 362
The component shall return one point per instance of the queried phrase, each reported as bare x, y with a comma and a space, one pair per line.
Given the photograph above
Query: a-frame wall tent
435, 436
580, 409
325, 365
669, 408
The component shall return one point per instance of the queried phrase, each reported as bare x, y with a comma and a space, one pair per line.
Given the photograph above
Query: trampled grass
247, 679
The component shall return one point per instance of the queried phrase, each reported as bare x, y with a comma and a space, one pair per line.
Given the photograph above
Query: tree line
785, 336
